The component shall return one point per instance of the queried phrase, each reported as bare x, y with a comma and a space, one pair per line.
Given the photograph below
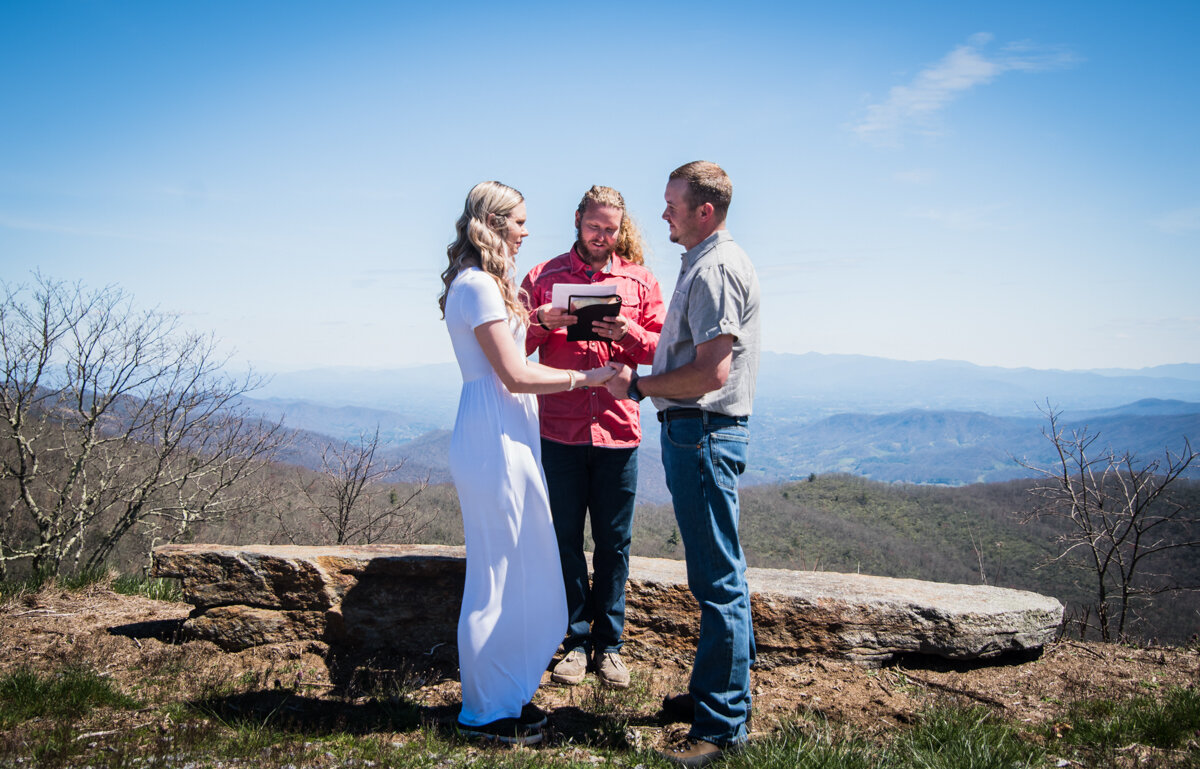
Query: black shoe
507, 730
532, 716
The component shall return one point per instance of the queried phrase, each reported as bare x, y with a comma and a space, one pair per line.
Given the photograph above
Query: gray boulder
405, 599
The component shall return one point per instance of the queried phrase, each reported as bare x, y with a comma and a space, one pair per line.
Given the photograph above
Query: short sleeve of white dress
480, 300
474, 299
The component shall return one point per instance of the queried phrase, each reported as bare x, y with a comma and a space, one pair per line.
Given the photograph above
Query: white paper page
562, 292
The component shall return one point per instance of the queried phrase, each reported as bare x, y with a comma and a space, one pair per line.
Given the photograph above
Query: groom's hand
618, 386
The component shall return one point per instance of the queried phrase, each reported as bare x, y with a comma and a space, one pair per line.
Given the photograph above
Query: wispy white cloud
917, 176
33, 225
916, 105
1180, 220
401, 279
966, 219
810, 266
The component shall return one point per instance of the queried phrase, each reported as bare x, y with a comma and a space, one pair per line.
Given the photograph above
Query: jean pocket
728, 448
684, 433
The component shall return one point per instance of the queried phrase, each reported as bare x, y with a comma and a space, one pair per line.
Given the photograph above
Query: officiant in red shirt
590, 439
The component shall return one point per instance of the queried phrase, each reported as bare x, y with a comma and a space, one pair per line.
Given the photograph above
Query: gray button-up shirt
716, 293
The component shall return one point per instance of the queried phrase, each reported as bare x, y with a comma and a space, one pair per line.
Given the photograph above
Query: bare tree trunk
113, 419
350, 500
1119, 514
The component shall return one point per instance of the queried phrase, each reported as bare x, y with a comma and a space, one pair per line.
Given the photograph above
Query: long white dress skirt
514, 609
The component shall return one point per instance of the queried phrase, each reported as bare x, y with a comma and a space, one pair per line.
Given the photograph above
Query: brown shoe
611, 670
679, 707
571, 668
682, 707
693, 752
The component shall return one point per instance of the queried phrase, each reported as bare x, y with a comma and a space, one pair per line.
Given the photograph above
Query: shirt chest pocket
631, 304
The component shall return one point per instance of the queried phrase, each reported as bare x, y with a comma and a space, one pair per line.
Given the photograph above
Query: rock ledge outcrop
405, 599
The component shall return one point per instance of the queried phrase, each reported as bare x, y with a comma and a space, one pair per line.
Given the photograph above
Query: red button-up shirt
590, 415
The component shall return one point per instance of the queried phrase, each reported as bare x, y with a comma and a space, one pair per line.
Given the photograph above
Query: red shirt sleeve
535, 335
639, 344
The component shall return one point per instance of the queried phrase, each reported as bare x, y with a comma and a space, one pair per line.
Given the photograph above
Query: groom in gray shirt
702, 383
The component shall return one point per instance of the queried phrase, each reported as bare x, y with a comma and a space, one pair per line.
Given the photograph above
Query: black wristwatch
633, 392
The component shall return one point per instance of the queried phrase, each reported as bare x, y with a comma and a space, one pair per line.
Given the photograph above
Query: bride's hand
597, 376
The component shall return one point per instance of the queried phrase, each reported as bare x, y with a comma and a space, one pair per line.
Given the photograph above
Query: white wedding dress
514, 609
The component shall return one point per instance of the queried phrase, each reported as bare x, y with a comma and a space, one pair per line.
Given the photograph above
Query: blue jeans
600, 482
703, 457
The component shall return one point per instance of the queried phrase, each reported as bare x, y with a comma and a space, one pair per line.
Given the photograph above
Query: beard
592, 255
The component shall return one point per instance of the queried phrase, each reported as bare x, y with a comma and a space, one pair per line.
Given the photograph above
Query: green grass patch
66, 694
942, 738
148, 587
811, 745
1168, 722
125, 584
278, 728
15, 588
84, 578
963, 738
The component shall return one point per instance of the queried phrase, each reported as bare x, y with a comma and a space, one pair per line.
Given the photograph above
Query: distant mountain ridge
953, 448
814, 384
939, 422
807, 386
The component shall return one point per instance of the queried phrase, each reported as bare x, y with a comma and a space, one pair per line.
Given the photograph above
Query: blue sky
1013, 184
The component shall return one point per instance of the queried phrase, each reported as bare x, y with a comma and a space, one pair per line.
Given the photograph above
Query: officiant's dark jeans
600, 483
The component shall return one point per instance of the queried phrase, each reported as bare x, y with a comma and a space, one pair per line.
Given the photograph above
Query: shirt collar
696, 252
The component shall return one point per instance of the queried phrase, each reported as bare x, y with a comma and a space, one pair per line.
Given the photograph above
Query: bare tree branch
114, 420
1119, 515
352, 502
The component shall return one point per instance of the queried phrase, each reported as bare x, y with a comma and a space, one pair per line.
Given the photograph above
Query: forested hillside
970, 534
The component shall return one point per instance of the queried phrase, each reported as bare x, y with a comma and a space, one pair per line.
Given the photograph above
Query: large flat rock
406, 598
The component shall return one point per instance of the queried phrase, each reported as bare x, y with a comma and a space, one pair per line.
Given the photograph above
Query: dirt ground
135, 642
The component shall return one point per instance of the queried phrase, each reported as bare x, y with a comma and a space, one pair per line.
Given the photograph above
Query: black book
589, 309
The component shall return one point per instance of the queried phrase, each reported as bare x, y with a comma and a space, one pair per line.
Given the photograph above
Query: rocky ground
134, 641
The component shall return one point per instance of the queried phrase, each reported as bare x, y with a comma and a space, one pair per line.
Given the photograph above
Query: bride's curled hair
480, 242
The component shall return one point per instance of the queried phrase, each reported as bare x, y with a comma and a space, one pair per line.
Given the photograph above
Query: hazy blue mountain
344, 422
944, 422
802, 386
914, 446
427, 396
948, 447
1146, 407
790, 387
1189, 371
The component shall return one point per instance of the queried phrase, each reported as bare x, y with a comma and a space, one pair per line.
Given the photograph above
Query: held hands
618, 384
598, 376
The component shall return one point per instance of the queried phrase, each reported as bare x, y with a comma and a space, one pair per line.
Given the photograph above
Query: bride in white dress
514, 610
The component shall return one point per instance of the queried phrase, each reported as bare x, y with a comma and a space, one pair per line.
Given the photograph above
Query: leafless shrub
112, 420
1120, 518
351, 500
